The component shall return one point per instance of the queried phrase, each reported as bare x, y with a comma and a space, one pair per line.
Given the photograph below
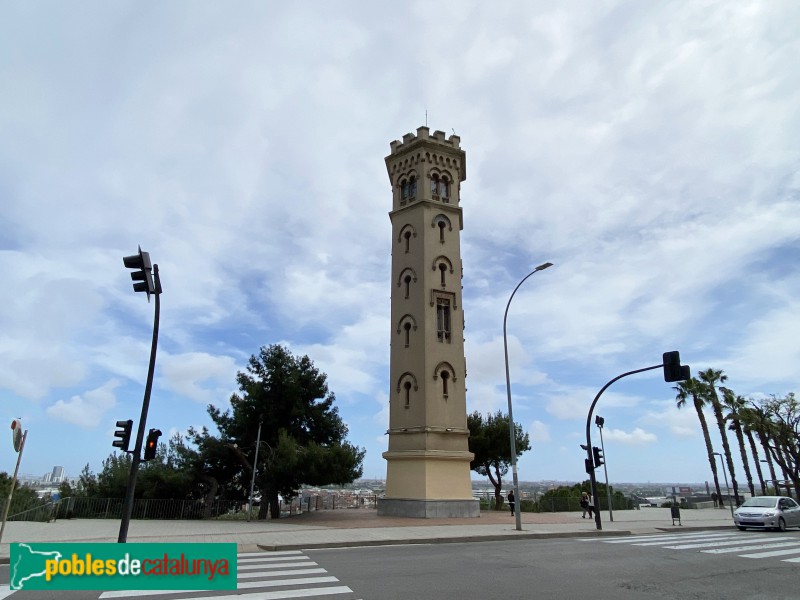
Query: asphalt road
709, 565
571, 568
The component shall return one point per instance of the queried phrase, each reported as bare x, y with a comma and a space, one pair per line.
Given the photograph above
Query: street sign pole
13, 484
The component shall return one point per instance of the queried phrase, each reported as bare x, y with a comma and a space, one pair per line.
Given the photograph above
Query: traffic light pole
127, 506
589, 454
605, 470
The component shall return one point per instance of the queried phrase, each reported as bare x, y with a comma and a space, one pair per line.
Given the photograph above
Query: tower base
428, 509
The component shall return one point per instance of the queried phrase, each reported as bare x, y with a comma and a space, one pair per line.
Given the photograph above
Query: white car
768, 512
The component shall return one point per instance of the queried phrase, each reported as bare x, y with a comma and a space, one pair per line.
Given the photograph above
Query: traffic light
588, 465
673, 369
124, 435
144, 274
151, 445
598, 456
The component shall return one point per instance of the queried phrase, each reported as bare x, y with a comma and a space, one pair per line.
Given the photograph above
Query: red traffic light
151, 445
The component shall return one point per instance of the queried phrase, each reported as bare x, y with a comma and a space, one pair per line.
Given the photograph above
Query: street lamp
600, 421
511, 432
725, 474
253, 478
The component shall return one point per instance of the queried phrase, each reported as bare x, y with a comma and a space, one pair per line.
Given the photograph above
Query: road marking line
250, 567
268, 559
292, 572
712, 544
5, 591
748, 548
239, 585
773, 553
281, 595
135, 593
267, 553
712, 539
643, 538
307, 563
301, 581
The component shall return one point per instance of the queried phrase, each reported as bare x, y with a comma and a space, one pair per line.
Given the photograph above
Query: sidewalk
362, 527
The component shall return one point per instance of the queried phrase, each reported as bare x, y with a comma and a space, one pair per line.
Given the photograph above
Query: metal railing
556, 504
111, 508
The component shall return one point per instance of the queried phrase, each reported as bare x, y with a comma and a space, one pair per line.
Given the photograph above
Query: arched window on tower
407, 282
407, 388
442, 225
403, 190
407, 328
412, 188
435, 186
407, 237
442, 269
445, 377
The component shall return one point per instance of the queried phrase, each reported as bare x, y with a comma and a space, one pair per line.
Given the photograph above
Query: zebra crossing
263, 576
743, 544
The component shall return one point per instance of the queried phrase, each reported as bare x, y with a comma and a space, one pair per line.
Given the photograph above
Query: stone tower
428, 472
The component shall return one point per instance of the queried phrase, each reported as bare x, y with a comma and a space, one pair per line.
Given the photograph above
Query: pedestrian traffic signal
151, 445
673, 369
588, 465
123, 434
598, 456
144, 274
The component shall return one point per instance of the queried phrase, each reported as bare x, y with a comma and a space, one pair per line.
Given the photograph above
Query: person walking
584, 504
511, 501
590, 506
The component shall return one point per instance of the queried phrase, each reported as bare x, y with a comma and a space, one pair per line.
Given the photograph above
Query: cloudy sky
648, 149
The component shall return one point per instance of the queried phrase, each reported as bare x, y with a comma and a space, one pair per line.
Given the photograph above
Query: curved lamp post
511, 432
722, 460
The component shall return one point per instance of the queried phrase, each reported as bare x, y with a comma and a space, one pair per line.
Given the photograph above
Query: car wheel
741, 528
781, 524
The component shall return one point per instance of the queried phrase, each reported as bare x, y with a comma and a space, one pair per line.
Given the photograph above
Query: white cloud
202, 377
635, 437
86, 410
539, 432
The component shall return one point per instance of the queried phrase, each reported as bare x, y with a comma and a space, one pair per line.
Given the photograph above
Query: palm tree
734, 404
692, 388
747, 418
758, 421
710, 377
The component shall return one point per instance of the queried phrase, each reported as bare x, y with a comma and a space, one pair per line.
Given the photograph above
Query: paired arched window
408, 189
440, 187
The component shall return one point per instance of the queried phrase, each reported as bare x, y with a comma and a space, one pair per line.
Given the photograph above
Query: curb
441, 540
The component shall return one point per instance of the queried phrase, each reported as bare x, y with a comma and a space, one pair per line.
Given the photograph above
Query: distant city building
57, 476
